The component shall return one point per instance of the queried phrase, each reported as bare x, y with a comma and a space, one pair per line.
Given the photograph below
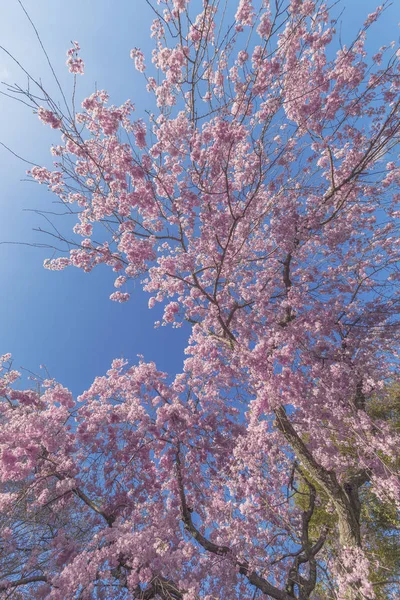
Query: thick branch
24, 581
349, 526
77, 492
259, 582
308, 552
160, 587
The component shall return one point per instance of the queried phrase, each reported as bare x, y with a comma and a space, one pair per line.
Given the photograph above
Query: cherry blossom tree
258, 202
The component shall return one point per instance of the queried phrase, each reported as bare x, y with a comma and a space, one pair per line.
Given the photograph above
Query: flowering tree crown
258, 203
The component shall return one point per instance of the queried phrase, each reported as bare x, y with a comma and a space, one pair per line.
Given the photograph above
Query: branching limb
220, 550
349, 526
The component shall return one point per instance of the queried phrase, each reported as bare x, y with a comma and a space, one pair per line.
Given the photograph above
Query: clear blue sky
65, 320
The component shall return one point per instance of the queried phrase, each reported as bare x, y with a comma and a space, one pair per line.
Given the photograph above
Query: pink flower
245, 13
48, 117
139, 130
138, 57
74, 62
120, 281
372, 17
119, 297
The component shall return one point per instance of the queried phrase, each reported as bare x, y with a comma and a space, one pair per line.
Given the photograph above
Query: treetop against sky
247, 193
53, 318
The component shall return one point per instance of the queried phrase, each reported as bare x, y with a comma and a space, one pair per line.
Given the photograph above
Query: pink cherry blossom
49, 118
138, 57
258, 205
75, 63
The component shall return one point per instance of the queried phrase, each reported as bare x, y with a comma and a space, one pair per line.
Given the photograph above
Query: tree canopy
258, 202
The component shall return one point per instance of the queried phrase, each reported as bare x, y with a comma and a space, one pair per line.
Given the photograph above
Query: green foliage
386, 406
380, 521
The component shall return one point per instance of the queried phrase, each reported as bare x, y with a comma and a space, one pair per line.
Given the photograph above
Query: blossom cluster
258, 206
